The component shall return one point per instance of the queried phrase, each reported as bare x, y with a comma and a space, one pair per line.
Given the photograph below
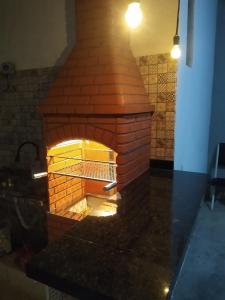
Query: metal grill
100, 171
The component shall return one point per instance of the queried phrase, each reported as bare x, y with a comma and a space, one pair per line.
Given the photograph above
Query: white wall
194, 89
39, 33
33, 33
155, 34
217, 134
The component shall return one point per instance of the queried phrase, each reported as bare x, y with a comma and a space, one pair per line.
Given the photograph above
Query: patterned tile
161, 107
161, 125
160, 143
169, 125
153, 125
153, 97
153, 143
153, 134
169, 143
169, 154
170, 134
152, 88
159, 76
172, 67
153, 78
162, 97
153, 59
171, 77
162, 88
145, 78
162, 58
171, 87
171, 97
169, 116
161, 115
144, 70
153, 69
162, 68
143, 61
162, 78
146, 88
160, 134
170, 106
160, 152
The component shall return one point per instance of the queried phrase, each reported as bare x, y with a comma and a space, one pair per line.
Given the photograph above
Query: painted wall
194, 91
36, 34
156, 32
217, 133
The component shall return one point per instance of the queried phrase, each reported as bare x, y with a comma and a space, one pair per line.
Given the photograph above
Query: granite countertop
134, 254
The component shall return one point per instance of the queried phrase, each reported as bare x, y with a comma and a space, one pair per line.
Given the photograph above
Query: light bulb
175, 52
134, 15
166, 290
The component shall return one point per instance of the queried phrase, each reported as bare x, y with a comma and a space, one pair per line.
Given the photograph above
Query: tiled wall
19, 120
159, 75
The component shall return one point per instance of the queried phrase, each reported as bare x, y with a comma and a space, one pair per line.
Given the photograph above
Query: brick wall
128, 136
159, 75
19, 120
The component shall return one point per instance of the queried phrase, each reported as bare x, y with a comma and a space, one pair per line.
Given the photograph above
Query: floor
14, 285
203, 272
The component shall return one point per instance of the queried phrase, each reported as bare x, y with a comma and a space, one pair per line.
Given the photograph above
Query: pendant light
176, 51
134, 14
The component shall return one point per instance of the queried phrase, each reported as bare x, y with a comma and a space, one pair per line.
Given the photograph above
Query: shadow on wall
70, 31
217, 132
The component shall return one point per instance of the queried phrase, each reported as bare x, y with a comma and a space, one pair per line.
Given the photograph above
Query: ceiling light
134, 14
166, 290
176, 50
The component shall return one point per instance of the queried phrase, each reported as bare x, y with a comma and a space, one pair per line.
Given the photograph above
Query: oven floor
96, 206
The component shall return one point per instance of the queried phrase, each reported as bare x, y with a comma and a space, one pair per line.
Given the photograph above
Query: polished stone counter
134, 254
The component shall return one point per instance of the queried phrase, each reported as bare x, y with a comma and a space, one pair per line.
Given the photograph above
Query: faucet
17, 159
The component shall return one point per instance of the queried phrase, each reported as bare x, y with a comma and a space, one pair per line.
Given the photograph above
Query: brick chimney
100, 75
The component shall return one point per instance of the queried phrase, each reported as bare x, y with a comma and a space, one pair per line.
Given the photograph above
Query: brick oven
96, 118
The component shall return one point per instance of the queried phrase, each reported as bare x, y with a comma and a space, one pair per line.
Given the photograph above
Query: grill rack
94, 170
81, 167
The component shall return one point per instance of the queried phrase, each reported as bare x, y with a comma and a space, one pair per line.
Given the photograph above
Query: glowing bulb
166, 290
134, 15
175, 52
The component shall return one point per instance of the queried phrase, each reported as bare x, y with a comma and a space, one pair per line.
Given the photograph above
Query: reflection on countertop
134, 254
23, 202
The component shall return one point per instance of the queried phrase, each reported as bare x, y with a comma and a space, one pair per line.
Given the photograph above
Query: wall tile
159, 75
153, 59
152, 88
162, 68
18, 117
153, 69
162, 88
153, 78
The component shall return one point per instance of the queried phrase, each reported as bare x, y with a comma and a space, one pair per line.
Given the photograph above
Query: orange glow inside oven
78, 171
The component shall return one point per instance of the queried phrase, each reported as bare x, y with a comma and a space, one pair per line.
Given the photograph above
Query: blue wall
217, 133
194, 92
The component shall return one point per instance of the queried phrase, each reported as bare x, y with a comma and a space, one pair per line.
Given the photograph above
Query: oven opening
82, 179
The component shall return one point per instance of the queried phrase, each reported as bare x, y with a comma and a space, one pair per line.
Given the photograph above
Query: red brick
89, 90
72, 90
